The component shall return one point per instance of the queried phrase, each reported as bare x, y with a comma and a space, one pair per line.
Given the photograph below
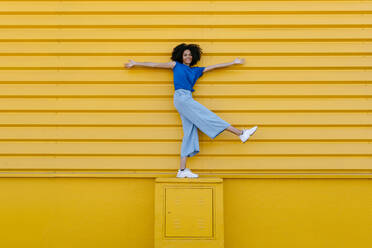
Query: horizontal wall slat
173, 148
186, 20
173, 34
182, 6
166, 104
277, 134
202, 90
215, 48
156, 75
212, 164
173, 119
112, 62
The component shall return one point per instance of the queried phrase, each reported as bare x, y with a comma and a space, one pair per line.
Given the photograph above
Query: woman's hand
130, 64
239, 61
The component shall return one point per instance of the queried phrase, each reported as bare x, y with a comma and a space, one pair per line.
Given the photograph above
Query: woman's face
187, 57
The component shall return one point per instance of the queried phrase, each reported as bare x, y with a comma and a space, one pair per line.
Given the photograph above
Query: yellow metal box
188, 211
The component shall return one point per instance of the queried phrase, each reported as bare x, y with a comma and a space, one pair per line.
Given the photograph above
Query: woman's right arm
168, 65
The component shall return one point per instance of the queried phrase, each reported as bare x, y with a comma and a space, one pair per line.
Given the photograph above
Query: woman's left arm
212, 67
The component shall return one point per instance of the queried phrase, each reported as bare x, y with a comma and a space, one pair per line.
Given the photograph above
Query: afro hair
196, 52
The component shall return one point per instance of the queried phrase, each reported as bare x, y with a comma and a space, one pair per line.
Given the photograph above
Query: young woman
194, 115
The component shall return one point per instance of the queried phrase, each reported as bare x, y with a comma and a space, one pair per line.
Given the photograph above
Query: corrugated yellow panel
64, 90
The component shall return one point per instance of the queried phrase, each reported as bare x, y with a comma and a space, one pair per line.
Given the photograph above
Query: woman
194, 116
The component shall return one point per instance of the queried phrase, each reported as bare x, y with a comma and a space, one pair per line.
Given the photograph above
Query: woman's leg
203, 118
210, 121
183, 163
234, 130
190, 141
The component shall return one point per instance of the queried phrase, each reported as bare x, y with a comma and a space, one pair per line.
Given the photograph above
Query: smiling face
187, 57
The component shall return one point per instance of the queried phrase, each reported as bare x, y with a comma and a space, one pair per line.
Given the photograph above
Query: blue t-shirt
184, 76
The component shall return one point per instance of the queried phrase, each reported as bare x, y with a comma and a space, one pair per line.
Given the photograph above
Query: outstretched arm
212, 67
168, 65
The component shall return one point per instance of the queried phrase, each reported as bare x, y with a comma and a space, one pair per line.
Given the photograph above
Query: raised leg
234, 130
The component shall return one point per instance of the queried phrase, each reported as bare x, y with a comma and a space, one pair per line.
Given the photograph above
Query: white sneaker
186, 173
247, 133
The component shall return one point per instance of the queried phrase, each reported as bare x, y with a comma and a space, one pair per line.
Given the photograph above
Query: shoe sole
187, 177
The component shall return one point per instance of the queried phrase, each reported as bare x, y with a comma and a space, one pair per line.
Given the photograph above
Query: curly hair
196, 52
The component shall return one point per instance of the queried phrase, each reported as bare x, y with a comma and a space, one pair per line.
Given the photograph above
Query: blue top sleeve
175, 65
199, 71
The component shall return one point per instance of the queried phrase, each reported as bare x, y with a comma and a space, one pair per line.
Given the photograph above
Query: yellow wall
67, 101
119, 212
82, 138
75, 212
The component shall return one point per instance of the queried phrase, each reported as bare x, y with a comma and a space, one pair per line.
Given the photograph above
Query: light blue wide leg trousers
195, 116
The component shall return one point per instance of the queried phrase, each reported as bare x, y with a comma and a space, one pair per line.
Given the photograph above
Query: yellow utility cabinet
189, 211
